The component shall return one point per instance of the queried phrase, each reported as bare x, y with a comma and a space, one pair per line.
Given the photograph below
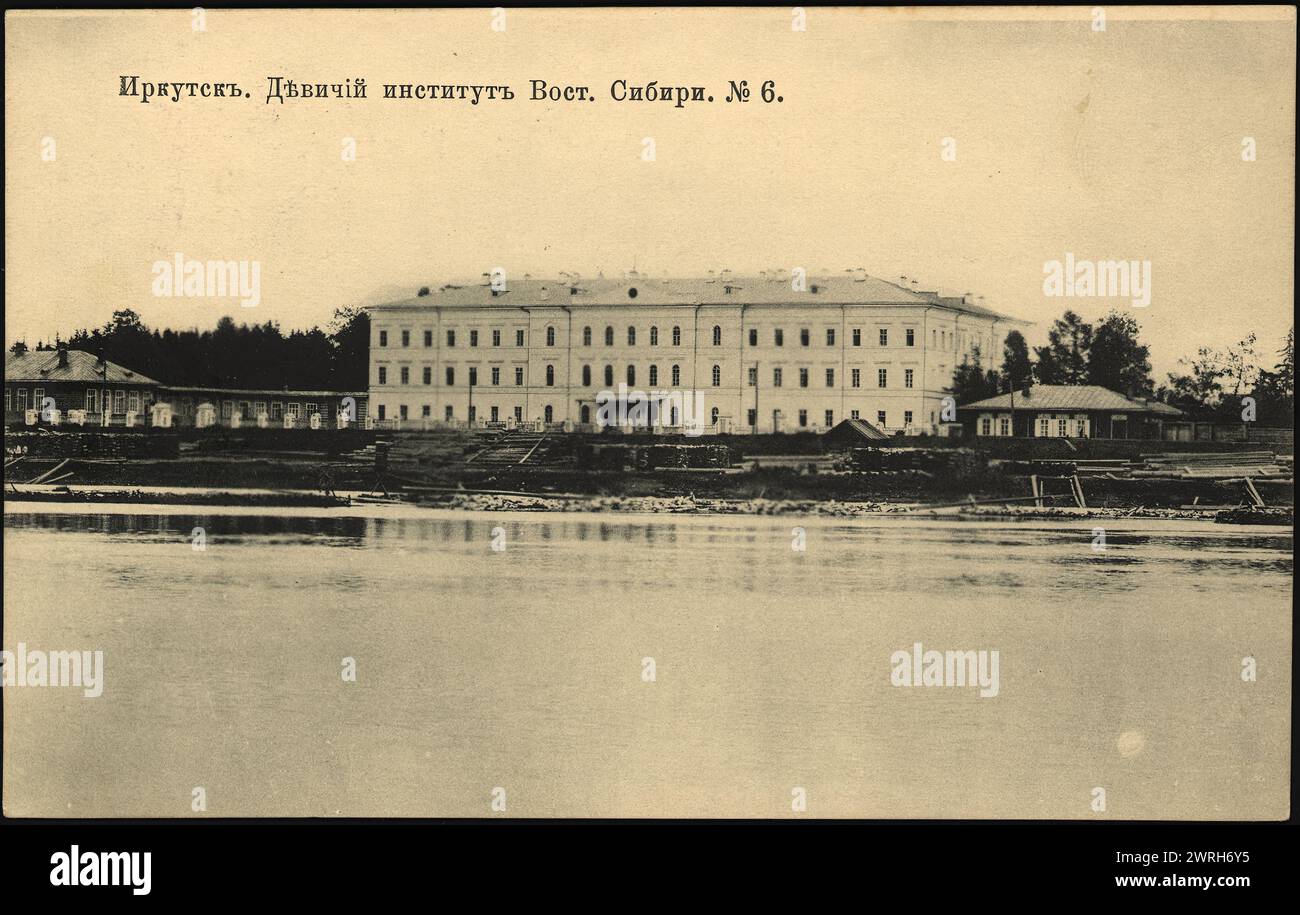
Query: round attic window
631, 293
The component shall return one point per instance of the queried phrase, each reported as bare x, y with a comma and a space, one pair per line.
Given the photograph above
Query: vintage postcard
747, 413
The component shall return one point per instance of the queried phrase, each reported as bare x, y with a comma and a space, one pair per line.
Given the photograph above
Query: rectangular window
753, 377
496, 338
451, 338
427, 376
753, 340
803, 419
830, 418
882, 378
383, 411
1004, 426
227, 408
401, 412
277, 411
428, 338
473, 377
293, 409
778, 337
803, 378
448, 414
406, 338
1044, 427
133, 402
830, 378
1063, 427
451, 376
907, 378
383, 338
473, 338
519, 377
830, 336
519, 338
496, 375
986, 426
259, 408
853, 414
880, 418
405, 373
119, 402
907, 417
884, 337
911, 337
752, 417
776, 378
22, 400
857, 336
426, 411
383, 375
855, 377
496, 414
803, 336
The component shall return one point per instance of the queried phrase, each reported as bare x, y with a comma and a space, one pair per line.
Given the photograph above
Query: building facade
73, 387
59, 382
762, 354
1068, 411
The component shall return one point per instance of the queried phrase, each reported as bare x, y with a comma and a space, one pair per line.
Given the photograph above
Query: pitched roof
773, 287
861, 428
43, 365
1071, 397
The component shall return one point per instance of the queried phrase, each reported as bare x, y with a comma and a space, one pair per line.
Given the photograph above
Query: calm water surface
523, 669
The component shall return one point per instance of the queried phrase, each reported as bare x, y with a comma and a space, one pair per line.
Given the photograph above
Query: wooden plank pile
1228, 465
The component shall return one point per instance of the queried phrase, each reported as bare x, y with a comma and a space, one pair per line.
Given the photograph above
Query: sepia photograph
628, 414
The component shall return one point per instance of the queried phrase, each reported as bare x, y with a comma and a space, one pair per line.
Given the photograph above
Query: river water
652, 665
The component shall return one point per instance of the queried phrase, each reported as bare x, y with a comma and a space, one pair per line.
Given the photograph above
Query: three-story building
765, 354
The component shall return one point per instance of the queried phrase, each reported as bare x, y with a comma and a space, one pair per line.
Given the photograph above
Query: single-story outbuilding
1067, 411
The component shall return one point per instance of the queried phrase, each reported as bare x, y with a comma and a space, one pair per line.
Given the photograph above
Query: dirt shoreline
566, 503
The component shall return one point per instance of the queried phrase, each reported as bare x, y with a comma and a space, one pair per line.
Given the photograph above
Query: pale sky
1116, 144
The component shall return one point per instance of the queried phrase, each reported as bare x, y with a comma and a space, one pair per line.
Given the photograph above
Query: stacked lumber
1229, 465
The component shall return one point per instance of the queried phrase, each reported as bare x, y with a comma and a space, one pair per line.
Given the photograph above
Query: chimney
101, 364
63, 357
1025, 392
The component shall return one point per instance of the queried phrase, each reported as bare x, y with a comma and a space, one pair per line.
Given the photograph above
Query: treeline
1210, 386
236, 356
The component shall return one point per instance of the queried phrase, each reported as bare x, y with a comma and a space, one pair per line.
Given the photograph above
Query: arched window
586, 376
550, 376
631, 336
550, 336
631, 374
717, 335
609, 376
714, 416
654, 336
586, 336
609, 335
550, 414
717, 376
654, 374
677, 336
677, 376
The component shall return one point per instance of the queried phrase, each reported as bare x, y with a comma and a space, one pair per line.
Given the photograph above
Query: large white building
763, 355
